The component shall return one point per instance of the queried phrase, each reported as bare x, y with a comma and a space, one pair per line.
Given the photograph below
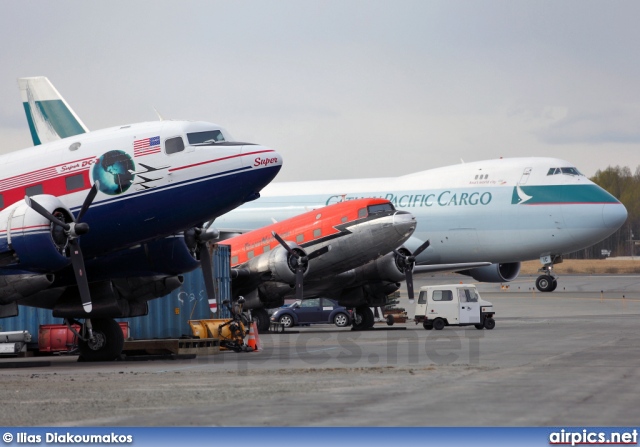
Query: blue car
313, 311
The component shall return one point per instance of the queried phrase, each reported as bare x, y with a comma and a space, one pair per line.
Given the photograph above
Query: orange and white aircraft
332, 249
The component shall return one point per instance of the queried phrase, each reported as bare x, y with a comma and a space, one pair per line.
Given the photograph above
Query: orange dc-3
337, 251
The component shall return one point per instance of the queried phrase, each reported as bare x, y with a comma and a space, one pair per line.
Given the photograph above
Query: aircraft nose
404, 223
614, 215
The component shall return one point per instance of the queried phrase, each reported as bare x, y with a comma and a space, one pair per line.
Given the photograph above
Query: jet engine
494, 272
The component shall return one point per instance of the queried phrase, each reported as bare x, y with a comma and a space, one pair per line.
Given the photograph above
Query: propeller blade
284, 244
207, 270
299, 278
81, 276
35, 206
408, 274
319, 252
88, 200
421, 248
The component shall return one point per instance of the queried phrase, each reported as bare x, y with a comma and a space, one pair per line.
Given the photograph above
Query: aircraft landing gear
261, 316
362, 319
99, 340
547, 282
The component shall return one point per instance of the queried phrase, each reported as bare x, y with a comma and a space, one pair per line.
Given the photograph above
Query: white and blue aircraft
501, 211
493, 214
144, 191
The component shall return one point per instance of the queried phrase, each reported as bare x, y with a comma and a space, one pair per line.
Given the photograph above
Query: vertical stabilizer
48, 114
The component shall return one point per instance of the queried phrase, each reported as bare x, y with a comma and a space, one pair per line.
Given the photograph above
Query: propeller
406, 262
72, 231
300, 261
198, 238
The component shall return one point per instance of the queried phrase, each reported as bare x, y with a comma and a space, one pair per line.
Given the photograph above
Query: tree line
624, 186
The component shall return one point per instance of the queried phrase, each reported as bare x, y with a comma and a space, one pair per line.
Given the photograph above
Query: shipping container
168, 316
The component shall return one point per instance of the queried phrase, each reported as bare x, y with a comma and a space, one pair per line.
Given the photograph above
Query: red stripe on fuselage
219, 159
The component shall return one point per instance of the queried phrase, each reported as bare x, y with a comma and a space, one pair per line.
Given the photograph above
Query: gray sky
345, 88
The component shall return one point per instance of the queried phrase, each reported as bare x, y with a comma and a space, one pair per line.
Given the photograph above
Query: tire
479, 326
262, 320
341, 319
545, 283
438, 324
489, 323
286, 320
364, 319
427, 326
390, 320
554, 284
108, 343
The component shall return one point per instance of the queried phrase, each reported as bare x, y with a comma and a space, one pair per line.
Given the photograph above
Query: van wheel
427, 326
438, 324
489, 323
479, 326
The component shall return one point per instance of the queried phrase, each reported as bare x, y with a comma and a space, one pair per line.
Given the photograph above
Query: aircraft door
469, 306
525, 176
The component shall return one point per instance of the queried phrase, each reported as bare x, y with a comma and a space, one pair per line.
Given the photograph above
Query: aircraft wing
448, 267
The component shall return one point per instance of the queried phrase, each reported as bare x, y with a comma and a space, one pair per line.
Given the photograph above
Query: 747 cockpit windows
568, 171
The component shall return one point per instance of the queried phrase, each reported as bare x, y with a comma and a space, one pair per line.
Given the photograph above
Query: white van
453, 305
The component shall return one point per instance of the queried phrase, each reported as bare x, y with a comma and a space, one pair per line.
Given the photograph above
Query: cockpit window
383, 207
205, 138
568, 171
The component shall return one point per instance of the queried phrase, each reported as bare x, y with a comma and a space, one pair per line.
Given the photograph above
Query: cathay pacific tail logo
519, 196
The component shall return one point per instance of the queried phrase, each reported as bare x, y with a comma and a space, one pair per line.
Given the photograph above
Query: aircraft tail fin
49, 116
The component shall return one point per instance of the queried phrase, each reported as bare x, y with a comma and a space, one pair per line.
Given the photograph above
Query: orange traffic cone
254, 326
251, 338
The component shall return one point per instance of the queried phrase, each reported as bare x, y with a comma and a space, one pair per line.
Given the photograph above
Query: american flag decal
146, 146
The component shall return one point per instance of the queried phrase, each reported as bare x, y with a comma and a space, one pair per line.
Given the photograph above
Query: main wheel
489, 323
262, 319
479, 326
427, 326
341, 320
363, 319
286, 320
438, 324
545, 283
107, 344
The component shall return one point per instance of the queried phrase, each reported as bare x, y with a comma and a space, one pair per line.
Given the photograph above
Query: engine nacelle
385, 268
119, 298
15, 287
279, 263
494, 272
37, 244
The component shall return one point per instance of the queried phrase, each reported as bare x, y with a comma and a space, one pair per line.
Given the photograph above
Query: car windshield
208, 137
